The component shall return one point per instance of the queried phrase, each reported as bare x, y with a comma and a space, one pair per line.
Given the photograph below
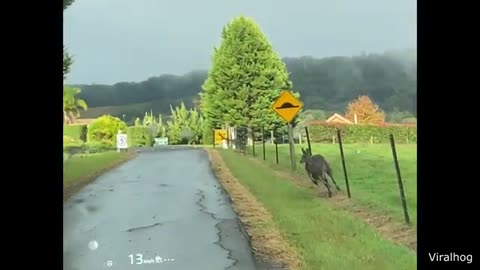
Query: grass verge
81, 169
371, 173
269, 246
325, 237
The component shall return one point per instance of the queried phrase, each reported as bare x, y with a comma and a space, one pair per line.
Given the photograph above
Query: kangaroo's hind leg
335, 183
313, 178
325, 182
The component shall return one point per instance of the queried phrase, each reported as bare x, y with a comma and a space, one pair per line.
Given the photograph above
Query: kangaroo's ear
303, 151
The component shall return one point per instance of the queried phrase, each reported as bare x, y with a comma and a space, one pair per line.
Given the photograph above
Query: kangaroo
318, 169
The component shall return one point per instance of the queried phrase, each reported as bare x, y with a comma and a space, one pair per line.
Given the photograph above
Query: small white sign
161, 141
122, 141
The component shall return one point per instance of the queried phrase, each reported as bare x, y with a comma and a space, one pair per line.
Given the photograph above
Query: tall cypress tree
245, 79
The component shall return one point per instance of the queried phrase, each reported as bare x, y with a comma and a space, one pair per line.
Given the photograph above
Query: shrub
207, 135
139, 136
77, 132
98, 146
70, 140
73, 147
363, 133
105, 129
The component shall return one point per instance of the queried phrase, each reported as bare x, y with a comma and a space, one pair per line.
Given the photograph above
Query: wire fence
379, 175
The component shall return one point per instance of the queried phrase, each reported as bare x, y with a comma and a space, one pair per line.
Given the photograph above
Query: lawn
83, 166
325, 236
371, 172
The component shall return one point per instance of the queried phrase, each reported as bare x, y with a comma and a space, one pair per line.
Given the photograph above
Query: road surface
161, 210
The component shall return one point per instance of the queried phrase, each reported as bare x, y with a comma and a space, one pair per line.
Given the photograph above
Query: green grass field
325, 236
371, 172
81, 166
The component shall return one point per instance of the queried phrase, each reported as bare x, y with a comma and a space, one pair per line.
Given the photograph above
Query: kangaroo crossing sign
287, 106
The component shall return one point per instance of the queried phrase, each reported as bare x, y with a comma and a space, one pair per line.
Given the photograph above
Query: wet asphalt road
163, 204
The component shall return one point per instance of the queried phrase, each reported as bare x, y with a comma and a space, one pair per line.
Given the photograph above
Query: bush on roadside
105, 129
321, 133
98, 147
70, 140
139, 136
70, 148
77, 132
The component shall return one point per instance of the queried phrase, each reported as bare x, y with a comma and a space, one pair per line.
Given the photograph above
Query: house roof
338, 116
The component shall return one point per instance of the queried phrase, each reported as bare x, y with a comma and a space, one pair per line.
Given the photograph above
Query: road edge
68, 192
280, 257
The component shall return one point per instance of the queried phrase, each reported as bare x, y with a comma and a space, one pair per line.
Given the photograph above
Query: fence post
399, 178
213, 138
253, 141
343, 162
276, 151
263, 142
291, 144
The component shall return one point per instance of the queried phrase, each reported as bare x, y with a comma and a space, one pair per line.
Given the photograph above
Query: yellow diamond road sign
287, 106
220, 135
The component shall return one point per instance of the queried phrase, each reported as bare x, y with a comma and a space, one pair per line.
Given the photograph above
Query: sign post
122, 142
287, 106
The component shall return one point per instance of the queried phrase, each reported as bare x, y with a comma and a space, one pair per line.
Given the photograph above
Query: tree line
326, 84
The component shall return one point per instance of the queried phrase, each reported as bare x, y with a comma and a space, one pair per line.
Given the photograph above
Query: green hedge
77, 132
98, 147
362, 133
139, 136
207, 136
89, 147
105, 129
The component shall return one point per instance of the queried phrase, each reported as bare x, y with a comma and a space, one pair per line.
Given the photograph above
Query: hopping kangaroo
318, 169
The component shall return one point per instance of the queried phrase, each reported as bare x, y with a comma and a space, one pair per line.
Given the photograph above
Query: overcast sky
125, 40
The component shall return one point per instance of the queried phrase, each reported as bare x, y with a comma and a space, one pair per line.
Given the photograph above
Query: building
338, 119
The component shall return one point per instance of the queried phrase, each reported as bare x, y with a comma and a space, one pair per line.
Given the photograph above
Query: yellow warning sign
287, 106
220, 135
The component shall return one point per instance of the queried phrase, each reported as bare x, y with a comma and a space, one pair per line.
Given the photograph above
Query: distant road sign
161, 141
220, 135
287, 106
122, 141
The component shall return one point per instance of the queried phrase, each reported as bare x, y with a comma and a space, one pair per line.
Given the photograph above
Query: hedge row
139, 136
77, 132
322, 133
89, 147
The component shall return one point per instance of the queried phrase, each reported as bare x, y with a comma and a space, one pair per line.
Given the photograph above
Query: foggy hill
326, 84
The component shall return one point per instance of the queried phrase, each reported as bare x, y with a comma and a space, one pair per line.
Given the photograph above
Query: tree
105, 129
178, 125
397, 116
329, 83
138, 122
67, 3
67, 59
245, 79
185, 126
67, 62
72, 104
367, 112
